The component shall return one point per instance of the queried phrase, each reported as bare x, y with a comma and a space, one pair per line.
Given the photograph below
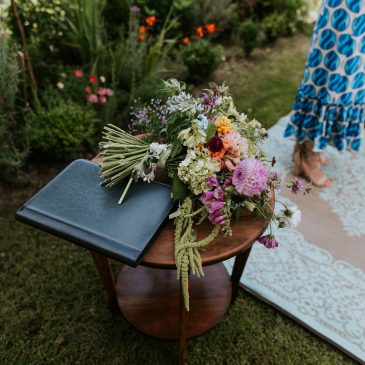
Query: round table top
245, 231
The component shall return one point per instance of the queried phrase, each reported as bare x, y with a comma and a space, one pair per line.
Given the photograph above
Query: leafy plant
84, 31
62, 130
249, 31
13, 147
274, 26
201, 59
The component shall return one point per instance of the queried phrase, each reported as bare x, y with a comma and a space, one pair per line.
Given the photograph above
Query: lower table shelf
150, 300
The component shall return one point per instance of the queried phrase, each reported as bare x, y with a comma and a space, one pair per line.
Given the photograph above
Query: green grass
265, 86
52, 305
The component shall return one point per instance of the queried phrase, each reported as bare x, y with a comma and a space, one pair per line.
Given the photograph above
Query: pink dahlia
239, 143
250, 177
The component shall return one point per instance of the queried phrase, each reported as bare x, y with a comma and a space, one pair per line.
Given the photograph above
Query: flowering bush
93, 88
215, 161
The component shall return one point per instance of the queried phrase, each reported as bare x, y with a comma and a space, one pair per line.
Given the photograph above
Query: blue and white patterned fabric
329, 107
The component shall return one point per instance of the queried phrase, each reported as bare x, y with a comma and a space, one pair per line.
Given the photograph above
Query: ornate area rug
317, 275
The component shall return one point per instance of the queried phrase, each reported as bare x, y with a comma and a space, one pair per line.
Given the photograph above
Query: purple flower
250, 177
208, 195
219, 194
297, 186
215, 144
214, 206
209, 101
213, 181
268, 241
275, 180
217, 218
135, 9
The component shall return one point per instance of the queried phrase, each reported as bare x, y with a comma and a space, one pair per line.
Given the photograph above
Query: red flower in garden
101, 91
151, 20
88, 89
185, 40
102, 99
211, 28
200, 32
92, 98
78, 73
142, 33
93, 79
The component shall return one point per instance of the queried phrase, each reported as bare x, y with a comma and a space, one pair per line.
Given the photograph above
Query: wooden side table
150, 296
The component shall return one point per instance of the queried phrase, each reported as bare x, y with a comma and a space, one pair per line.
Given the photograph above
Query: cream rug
317, 275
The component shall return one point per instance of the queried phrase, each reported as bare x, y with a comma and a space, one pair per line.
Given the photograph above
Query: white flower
60, 85
102, 79
156, 149
296, 217
196, 169
184, 103
192, 136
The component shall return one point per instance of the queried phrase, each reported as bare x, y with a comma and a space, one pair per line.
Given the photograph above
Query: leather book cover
74, 206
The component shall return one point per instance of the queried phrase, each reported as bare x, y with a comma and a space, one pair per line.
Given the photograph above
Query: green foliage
274, 26
277, 17
211, 130
116, 17
223, 12
13, 148
149, 88
62, 130
134, 60
84, 31
178, 190
43, 22
249, 31
201, 59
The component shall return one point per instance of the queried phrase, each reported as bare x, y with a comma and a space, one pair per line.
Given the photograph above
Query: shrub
249, 31
62, 130
201, 59
274, 26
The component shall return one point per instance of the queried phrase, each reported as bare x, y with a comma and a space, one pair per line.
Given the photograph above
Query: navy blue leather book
74, 206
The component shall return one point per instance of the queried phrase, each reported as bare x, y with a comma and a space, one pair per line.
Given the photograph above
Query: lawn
52, 305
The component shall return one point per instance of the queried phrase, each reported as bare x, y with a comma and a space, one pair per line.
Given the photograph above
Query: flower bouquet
212, 154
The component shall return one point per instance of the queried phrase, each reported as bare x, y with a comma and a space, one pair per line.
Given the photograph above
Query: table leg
183, 320
103, 266
238, 267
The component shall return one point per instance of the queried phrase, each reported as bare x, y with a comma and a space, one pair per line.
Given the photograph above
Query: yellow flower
224, 126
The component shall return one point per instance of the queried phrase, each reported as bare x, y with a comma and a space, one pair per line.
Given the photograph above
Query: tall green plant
11, 134
84, 31
134, 60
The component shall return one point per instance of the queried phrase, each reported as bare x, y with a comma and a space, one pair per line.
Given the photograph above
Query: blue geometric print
330, 103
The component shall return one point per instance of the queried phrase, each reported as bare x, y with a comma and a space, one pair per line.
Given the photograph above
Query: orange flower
151, 20
211, 28
224, 126
185, 40
141, 36
200, 32
142, 29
